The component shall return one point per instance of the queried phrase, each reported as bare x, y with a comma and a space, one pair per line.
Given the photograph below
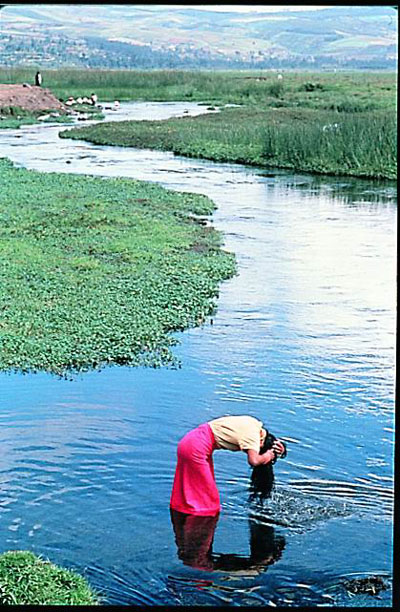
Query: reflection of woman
266, 547
194, 490
194, 538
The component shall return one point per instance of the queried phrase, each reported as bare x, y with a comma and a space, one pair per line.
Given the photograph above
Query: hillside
157, 36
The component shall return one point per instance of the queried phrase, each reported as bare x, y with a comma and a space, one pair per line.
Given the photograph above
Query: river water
303, 339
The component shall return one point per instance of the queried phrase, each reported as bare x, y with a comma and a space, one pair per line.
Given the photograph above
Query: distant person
194, 489
93, 99
38, 79
116, 105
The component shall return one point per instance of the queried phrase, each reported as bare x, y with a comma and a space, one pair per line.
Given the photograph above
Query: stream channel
303, 339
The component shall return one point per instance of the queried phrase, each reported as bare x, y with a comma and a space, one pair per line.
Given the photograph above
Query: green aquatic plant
97, 272
357, 145
26, 579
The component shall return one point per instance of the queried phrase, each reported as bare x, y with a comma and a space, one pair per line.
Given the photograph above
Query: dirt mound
29, 97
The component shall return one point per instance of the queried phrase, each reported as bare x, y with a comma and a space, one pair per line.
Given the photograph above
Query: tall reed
363, 145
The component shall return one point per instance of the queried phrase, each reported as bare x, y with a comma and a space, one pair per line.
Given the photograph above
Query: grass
13, 117
26, 579
97, 272
344, 92
326, 142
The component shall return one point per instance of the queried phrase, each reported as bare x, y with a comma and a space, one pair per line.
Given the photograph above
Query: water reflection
194, 536
354, 193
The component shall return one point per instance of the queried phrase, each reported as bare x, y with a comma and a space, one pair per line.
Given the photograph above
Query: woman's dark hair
262, 476
268, 444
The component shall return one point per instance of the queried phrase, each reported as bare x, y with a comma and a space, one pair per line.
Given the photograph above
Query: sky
242, 8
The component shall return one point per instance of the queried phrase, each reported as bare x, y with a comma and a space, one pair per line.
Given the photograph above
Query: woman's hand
278, 447
270, 456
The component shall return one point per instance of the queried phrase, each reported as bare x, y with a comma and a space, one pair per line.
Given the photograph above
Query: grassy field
97, 272
25, 579
342, 92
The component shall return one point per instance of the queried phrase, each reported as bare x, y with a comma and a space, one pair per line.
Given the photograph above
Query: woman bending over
194, 490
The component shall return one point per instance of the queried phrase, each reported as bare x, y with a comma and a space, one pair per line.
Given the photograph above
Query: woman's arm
255, 458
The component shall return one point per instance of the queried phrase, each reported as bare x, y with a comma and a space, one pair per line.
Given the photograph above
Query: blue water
303, 339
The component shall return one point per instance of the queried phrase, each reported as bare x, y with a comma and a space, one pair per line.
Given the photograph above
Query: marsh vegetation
319, 142
315, 122
323, 122
342, 91
97, 272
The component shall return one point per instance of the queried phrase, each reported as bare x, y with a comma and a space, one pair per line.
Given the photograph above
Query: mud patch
28, 97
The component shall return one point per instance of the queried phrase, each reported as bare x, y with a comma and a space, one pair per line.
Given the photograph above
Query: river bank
26, 579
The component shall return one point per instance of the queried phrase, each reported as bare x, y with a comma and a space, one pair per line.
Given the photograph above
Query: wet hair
268, 444
262, 476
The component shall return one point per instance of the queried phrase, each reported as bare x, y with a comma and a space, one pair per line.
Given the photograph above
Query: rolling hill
157, 36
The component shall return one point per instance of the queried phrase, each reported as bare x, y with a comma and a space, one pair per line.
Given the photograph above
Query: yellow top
237, 432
